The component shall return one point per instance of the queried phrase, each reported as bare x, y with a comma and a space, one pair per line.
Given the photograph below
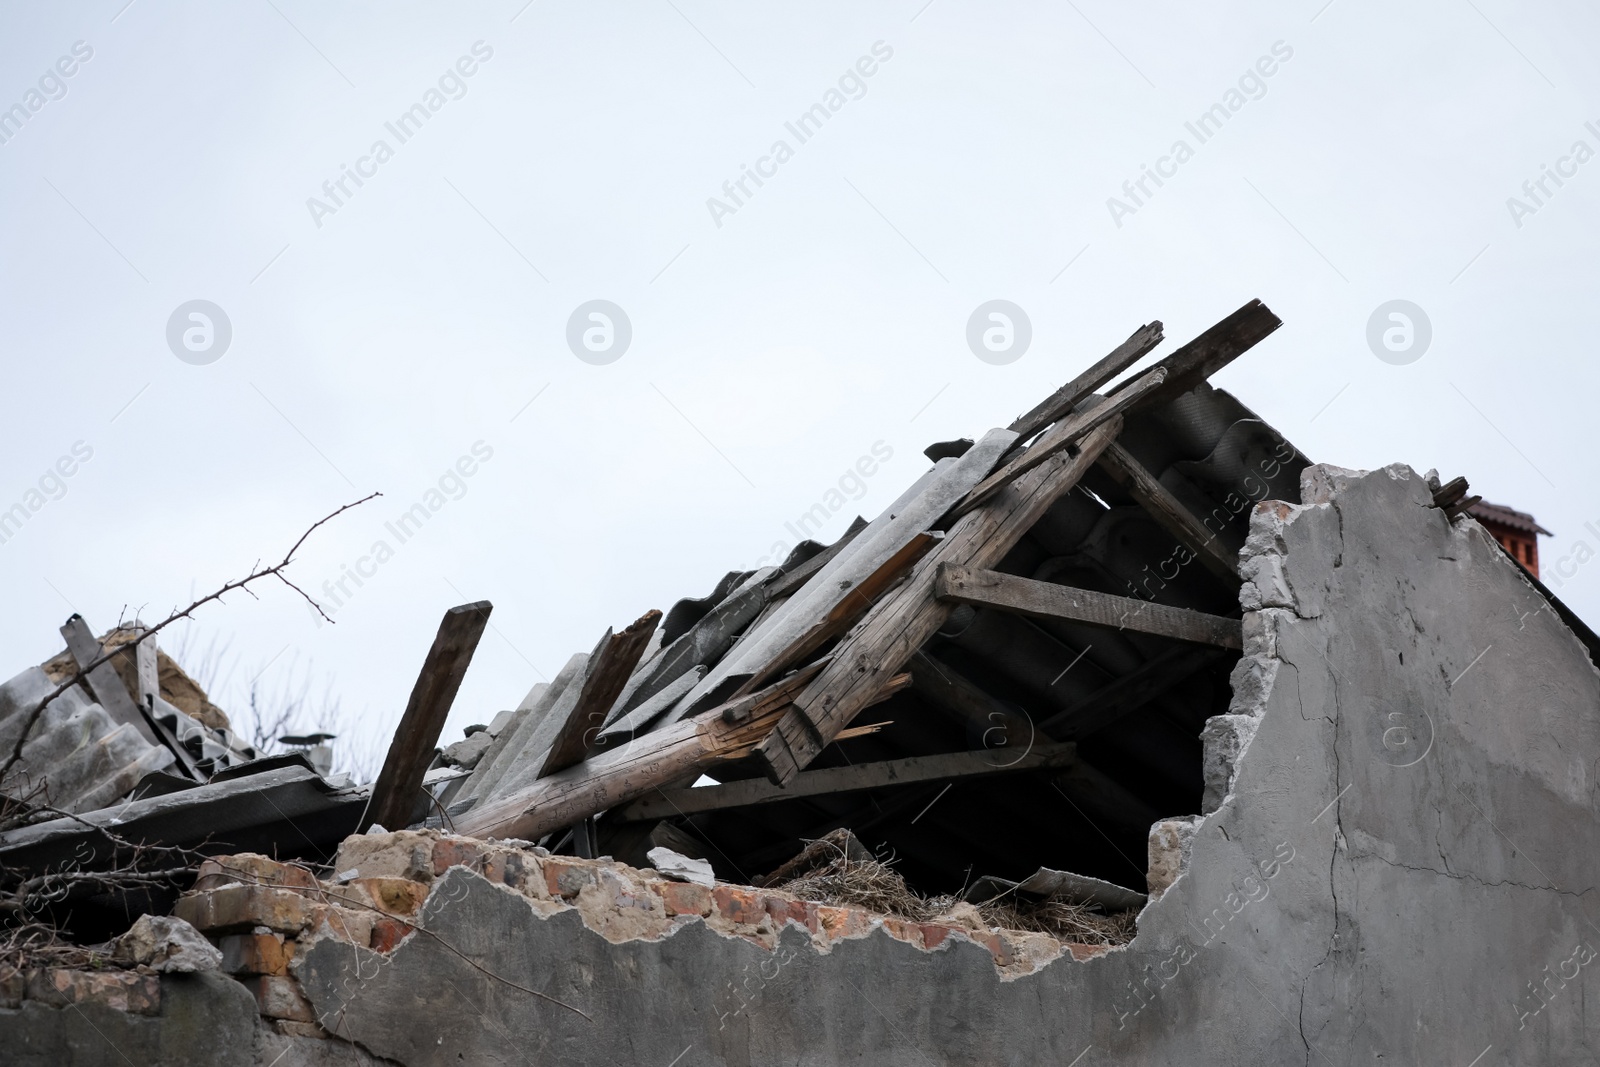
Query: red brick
280, 998
739, 905
783, 910
515, 869
842, 922
904, 930
684, 898
241, 907
249, 868
997, 945
1087, 952
388, 933
58, 987
566, 879
256, 954
933, 934
452, 851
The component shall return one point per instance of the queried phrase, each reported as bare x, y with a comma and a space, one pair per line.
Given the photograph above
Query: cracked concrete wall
1395, 864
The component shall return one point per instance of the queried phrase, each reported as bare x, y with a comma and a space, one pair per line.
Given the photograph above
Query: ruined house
1126, 734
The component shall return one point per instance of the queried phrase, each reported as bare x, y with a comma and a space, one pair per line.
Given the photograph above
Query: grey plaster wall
1398, 868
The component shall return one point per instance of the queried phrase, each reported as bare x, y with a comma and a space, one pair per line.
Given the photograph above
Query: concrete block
242, 907
166, 943
279, 997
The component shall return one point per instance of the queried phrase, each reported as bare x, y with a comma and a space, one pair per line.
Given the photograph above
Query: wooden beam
901, 622
1218, 550
1060, 403
850, 607
658, 759
1211, 351
606, 672
399, 785
104, 682
1130, 692
1062, 437
893, 772
1047, 600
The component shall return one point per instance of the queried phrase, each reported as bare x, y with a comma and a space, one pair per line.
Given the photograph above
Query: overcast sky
388, 335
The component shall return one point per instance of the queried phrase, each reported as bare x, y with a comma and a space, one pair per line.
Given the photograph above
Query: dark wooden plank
908, 771
996, 723
604, 676
1130, 692
398, 790
1047, 600
1061, 437
901, 622
1211, 351
1218, 550
1060, 403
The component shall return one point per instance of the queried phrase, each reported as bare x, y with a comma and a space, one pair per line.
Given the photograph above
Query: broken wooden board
1060, 403
398, 789
1210, 352
1047, 600
106, 685
1062, 437
1218, 550
900, 623
913, 769
605, 674
615, 777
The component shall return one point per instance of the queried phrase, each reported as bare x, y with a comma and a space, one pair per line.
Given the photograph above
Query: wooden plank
605, 674
850, 607
1130, 692
1060, 403
1211, 351
1062, 437
398, 789
908, 771
1218, 550
901, 622
106, 685
1047, 600
628, 772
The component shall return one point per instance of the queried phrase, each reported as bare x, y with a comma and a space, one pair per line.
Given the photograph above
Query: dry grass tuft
31, 945
876, 886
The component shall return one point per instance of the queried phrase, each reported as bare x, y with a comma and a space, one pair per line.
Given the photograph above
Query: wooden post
396, 793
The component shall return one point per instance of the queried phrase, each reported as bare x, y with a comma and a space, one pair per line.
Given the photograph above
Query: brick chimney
1517, 532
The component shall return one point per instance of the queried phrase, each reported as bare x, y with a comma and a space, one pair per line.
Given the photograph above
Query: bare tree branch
257, 572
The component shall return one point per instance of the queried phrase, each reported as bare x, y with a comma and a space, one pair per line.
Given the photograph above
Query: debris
167, 944
681, 868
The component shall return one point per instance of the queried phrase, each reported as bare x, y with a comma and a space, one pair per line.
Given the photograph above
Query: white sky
768, 354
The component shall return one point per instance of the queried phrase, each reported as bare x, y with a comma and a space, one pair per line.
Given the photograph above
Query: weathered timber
606, 672
1047, 600
1210, 352
901, 622
104, 682
1062, 437
908, 771
1130, 692
650, 762
1060, 403
397, 791
1218, 550
850, 607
